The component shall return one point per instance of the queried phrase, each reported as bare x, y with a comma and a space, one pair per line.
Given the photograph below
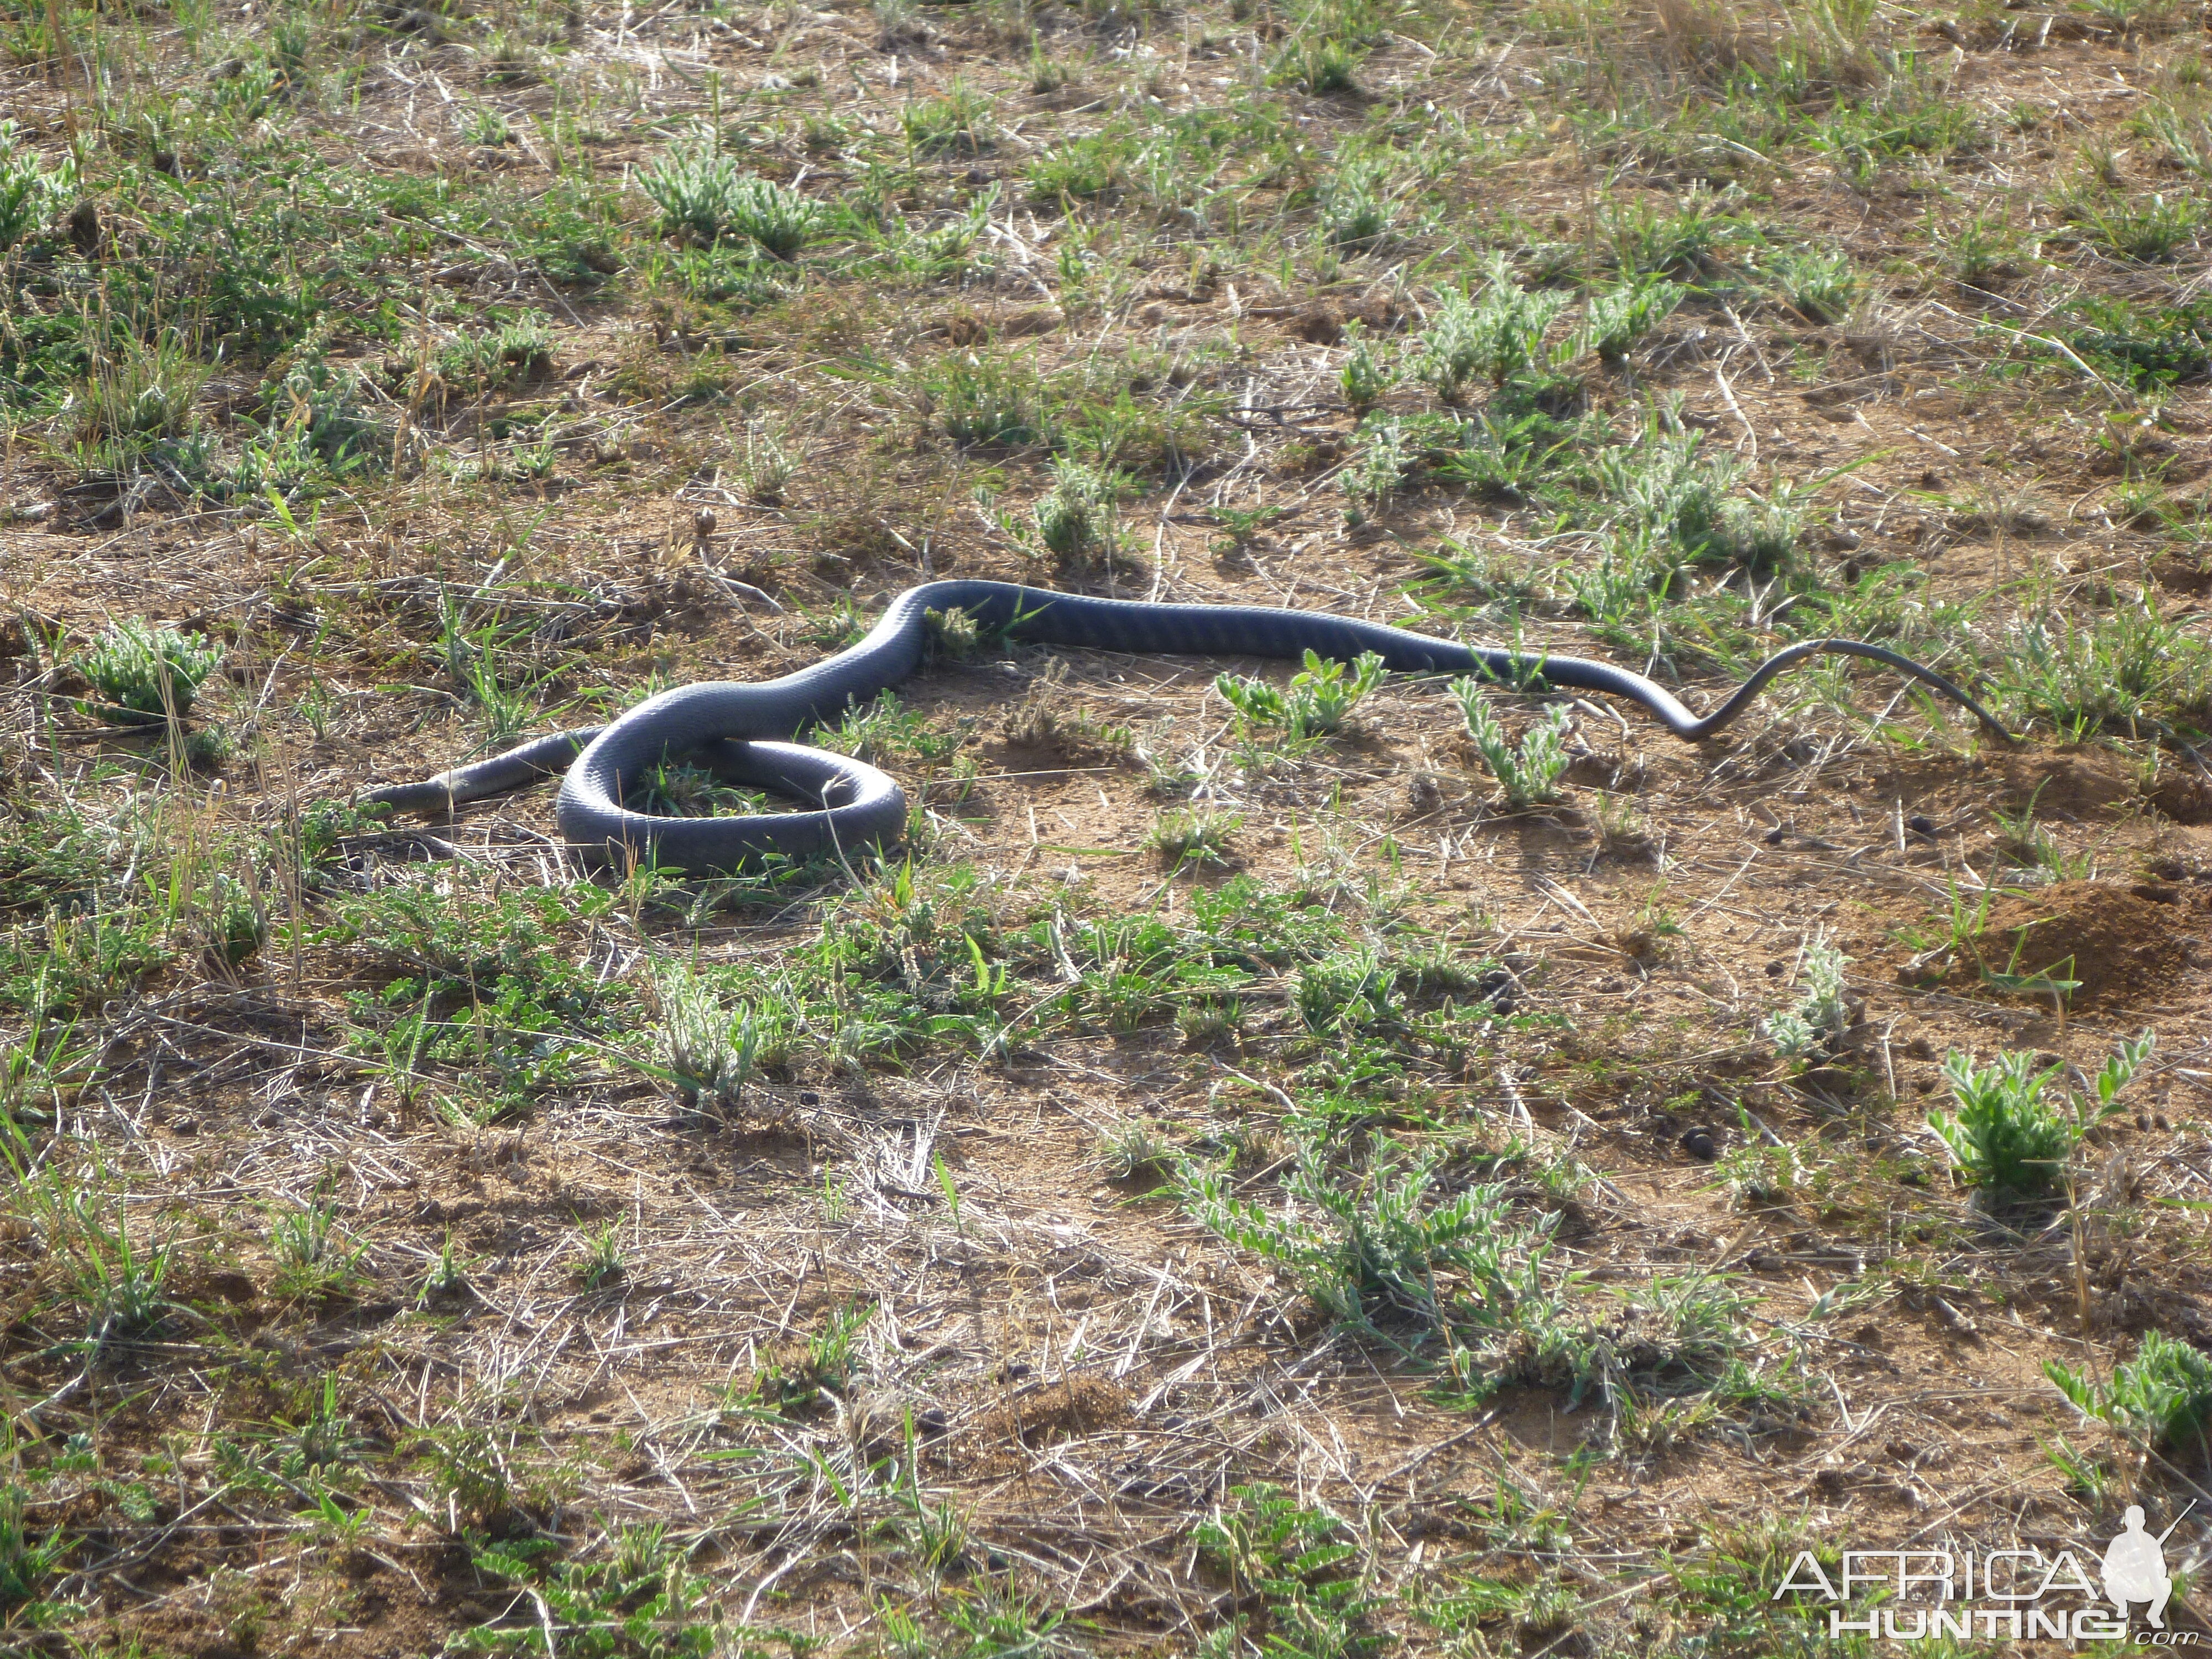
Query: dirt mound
2121, 943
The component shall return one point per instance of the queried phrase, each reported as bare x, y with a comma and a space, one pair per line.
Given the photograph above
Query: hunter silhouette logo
2134, 1566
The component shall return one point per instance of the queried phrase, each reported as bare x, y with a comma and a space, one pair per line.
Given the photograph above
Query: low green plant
710, 1050
1617, 317
1184, 837
27, 1562
1527, 771
1497, 335
1381, 1249
2149, 229
314, 1256
958, 122
601, 1263
1319, 699
2162, 1397
1817, 1019
1294, 1578
1821, 285
1133, 1148
148, 673
1365, 377
780, 220
2013, 1133
121, 1280
29, 194
1075, 519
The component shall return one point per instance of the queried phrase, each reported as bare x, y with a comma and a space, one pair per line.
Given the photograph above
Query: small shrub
2010, 1136
1075, 519
1134, 1148
1383, 1247
1527, 772
28, 194
959, 123
1365, 376
1617, 319
779, 219
984, 402
1818, 1019
711, 1051
27, 1561
1819, 285
1184, 837
1357, 212
1498, 336
692, 186
2163, 1396
1318, 65
769, 466
1319, 698
152, 673
2148, 229
602, 1262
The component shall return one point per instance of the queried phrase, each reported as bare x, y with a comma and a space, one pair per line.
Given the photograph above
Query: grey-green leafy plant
151, 673
780, 219
1528, 771
1818, 1017
1497, 335
1617, 317
27, 1561
1358, 213
1821, 285
1183, 837
703, 191
2014, 1132
28, 193
602, 1262
1383, 1248
691, 186
1075, 517
710, 1050
121, 1280
2163, 1396
1365, 376
314, 1254
1319, 699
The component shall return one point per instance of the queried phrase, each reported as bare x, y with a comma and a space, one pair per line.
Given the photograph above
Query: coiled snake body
731, 725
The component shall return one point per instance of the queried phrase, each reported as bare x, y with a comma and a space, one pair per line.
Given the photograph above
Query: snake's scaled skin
730, 725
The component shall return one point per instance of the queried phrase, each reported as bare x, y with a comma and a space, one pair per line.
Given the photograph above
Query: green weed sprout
1527, 772
1818, 1016
153, 674
28, 193
2163, 1396
2010, 1136
779, 220
1498, 336
1319, 698
1075, 519
1365, 376
1617, 319
710, 1050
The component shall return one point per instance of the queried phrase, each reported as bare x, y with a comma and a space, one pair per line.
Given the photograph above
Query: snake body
734, 727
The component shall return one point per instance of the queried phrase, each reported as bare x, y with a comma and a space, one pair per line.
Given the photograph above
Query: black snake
727, 724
